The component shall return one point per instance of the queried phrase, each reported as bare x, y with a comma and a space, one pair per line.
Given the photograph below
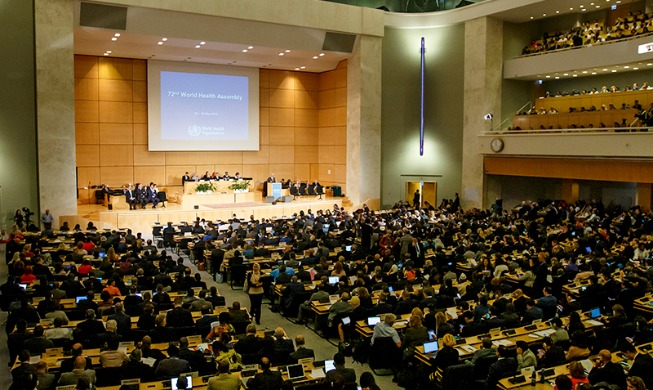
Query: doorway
427, 190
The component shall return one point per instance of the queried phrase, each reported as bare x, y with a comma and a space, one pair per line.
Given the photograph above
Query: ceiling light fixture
626, 67
164, 39
315, 57
202, 43
281, 54
287, 51
245, 50
321, 54
303, 67
160, 43
197, 46
114, 39
250, 47
593, 72
116, 35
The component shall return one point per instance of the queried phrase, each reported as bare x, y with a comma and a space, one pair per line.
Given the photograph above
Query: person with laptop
340, 372
267, 379
224, 380
385, 329
301, 352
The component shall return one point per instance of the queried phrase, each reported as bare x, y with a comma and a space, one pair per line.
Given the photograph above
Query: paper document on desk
452, 312
149, 361
34, 359
504, 342
587, 365
533, 335
468, 348
545, 332
317, 373
594, 322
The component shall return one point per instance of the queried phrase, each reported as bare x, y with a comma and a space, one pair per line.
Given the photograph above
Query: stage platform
141, 220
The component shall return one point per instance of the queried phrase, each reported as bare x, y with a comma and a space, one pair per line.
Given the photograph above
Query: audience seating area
542, 285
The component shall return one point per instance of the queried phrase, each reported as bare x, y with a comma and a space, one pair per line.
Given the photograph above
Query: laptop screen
333, 280
329, 365
295, 371
371, 321
346, 320
430, 347
101, 255
77, 299
595, 313
174, 382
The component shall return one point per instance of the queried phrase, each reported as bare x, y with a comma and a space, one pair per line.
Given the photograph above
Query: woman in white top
255, 292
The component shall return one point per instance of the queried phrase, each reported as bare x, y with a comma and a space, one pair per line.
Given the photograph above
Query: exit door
427, 192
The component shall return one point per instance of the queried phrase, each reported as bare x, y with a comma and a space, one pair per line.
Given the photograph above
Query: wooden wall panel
340, 154
282, 154
112, 137
116, 133
326, 154
116, 68
117, 155
116, 112
144, 157
115, 90
86, 175
88, 155
340, 173
86, 67
306, 136
86, 88
86, 111
282, 135
326, 173
87, 133
149, 174
571, 168
140, 133
116, 176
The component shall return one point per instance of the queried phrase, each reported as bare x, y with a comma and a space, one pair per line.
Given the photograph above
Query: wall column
364, 122
55, 100
482, 95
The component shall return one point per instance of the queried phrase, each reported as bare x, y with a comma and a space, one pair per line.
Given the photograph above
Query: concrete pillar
55, 100
364, 122
482, 95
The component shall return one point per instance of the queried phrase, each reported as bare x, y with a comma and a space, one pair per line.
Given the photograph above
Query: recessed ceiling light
557, 77
109, 51
565, 74
114, 39
557, 12
571, 8
598, 6
591, 3
287, 51
296, 68
321, 54
106, 54
250, 47
116, 34
618, 1
574, 75
593, 72
584, 72
548, 77
160, 43
244, 50
584, 9
202, 43
197, 46
614, 71
281, 54
303, 67
164, 39
531, 18
605, 69
635, 68
626, 67
649, 64
315, 57
543, 14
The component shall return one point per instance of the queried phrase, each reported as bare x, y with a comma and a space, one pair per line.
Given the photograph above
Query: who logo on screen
194, 130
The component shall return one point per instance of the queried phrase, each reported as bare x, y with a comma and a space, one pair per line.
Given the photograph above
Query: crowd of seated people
592, 33
208, 176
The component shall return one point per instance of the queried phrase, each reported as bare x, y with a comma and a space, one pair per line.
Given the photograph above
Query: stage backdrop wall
303, 134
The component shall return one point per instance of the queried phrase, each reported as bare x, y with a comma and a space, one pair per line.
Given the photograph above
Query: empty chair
294, 191
163, 198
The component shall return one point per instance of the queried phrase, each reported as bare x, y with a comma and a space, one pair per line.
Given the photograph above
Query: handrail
520, 109
587, 130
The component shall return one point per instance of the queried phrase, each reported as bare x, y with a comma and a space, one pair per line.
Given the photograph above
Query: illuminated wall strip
421, 119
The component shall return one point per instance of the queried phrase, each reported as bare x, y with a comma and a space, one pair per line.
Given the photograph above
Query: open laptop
249, 370
346, 320
329, 365
595, 313
295, 372
77, 299
173, 383
371, 321
431, 346
333, 280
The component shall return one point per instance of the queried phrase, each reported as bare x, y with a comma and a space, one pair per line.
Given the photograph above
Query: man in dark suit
267, 379
301, 352
123, 320
90, 328
607, 371
282, 348
250, 344
178, 316
130, 197
173, 366
84, 304
345, 375
502, 368
642, 364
